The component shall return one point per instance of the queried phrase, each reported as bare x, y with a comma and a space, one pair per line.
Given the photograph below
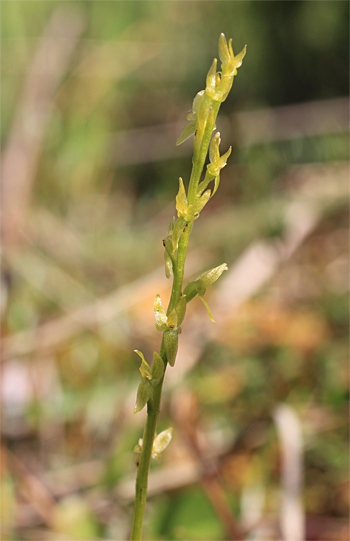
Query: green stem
153, 405
153, 408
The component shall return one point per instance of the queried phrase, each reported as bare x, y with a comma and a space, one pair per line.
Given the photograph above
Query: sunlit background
94, 96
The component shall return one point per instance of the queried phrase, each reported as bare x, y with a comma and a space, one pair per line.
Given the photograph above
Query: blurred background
94, 95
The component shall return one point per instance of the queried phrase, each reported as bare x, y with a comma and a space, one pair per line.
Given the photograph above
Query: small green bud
159, 314
209, 277
181, 199
172, 320
181, 309
161, 442
145, 368
143, 395
171, 343
190, 291
157, 369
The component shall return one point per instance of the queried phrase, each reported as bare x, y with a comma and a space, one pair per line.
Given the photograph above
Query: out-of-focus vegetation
94, 95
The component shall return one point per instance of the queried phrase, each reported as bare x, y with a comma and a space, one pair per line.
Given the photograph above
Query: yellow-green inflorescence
189, 205
218, 85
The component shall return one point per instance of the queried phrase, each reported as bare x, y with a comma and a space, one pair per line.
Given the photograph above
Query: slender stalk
206, 106
153, 405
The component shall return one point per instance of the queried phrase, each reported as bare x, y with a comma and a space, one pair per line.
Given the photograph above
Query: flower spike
189, 203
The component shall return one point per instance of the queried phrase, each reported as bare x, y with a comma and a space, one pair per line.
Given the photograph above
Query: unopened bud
161, 442
159, 314
172, 320
209, 277
157, 369
171, 343
181, 309
143, 395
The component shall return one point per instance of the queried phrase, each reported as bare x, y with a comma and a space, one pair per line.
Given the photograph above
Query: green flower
199, 286
217, 163
186, 211
219, 83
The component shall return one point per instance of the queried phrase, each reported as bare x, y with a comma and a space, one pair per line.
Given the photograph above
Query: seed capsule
157, 369
181, 309
171, 343
143, 395
172, 320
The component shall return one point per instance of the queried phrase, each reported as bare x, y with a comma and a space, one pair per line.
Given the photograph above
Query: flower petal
214, 153
181, 199
145, 368
224, 53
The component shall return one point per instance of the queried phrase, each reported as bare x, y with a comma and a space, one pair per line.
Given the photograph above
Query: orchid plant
202, 119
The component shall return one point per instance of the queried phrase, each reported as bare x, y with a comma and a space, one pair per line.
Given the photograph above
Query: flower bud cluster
201, 124
218, 85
